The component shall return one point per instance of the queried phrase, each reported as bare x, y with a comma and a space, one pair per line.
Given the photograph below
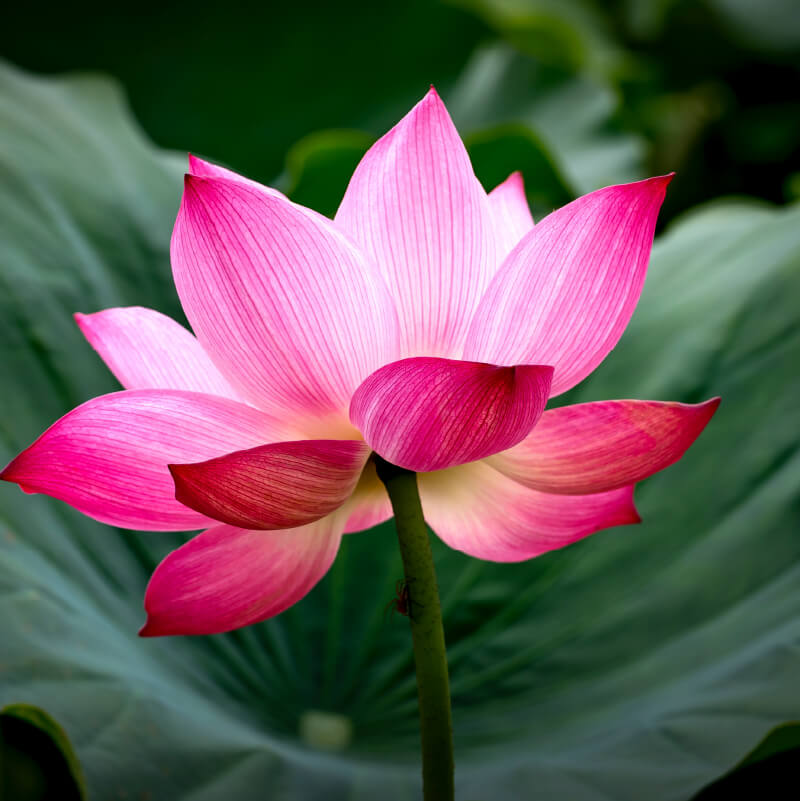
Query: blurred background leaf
770, 769
37, 762
640, 663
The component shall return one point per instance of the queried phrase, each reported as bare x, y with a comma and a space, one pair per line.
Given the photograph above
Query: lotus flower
428, 322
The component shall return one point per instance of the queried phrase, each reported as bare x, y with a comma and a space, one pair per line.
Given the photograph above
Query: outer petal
475, 509
281, 485
226, 577
427, 414
415, 205
288, 309
108, 458
566, 292
205, 169
148, 350
596, 447
510, 213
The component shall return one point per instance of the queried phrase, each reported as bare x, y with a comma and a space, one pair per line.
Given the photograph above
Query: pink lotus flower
429, 323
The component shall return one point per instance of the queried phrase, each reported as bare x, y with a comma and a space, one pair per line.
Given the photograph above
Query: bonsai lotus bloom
428, 322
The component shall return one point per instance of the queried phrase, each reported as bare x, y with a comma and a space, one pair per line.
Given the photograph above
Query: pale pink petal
369, 503
289, 310
475, 509
596, 447
226, 577
281, 485
427, 413
148, 350
511, 214
415, 205
205, 169
108, 458
567, 291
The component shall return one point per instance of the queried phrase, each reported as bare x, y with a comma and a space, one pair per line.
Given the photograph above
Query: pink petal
226, 577
510, 213
415, 205
108, 458
369, 503
205, 169
288, 309
596, 447
566, 292
148, 350
281, 485
475, 509
427, 413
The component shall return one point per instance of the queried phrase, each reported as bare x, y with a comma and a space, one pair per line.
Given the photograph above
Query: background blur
640, 663
707, 88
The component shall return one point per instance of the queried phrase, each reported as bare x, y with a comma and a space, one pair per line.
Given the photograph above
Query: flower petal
475, 509
226, 577
205, 169
370, 502
148, 350
596, 447
281, 485
567, 291
510, 213
427, 413
288, 309
108, 458
415, 206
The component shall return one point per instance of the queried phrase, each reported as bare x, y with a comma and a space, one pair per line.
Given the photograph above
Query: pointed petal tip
148, 629
6, 474
704, 412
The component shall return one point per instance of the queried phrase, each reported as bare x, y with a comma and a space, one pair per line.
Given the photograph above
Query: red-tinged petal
567, 291
475, 509
148, 350
415, 206
596, 447
281, 485
108, 458
427, 414
290, 311
511, 213
205, 169
226, 577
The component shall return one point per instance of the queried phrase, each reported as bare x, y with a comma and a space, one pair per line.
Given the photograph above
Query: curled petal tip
148, 629
626, 514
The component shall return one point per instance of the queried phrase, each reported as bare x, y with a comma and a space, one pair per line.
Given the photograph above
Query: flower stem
427, 631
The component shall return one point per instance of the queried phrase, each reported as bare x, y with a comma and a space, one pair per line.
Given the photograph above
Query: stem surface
427, 631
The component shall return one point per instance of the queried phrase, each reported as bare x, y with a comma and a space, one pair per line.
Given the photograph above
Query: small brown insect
402, 602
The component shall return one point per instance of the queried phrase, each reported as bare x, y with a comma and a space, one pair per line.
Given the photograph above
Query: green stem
427, 631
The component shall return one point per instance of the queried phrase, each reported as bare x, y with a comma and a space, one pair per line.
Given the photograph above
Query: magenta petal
596, 447
567, 291
415, 206
108, 458
427, 414
281, 485
148, 350
288, 308
205, 169
510, 213
475, 509
227, 577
